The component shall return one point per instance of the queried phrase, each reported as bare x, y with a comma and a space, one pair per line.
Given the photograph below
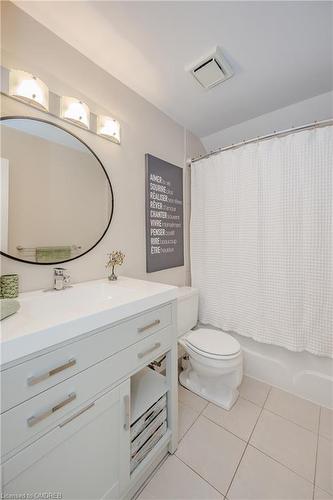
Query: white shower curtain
261, 240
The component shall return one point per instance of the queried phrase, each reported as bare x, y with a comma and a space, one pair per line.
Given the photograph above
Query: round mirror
56, 197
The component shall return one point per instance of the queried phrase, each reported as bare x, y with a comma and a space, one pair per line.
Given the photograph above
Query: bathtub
300, 373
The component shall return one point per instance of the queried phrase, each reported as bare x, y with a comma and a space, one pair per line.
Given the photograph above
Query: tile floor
270, 446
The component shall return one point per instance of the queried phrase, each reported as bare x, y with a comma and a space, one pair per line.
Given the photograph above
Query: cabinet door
85, 457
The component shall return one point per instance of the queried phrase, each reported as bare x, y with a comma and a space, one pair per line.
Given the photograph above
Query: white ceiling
281, 52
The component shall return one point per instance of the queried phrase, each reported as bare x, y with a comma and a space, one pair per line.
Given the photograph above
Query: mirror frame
22, 117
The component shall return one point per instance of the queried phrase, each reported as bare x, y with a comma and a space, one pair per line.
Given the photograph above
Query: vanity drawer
32, 377
28, 421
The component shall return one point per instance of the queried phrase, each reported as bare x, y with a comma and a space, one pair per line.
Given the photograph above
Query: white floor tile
286, 442
296, 409
321, 495
326, 423
175, 481
262, 478
324, 471
186, 417
240, 420
212, 452
191, 399
254, 391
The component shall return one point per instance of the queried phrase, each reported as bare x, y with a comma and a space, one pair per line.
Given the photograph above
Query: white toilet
215, 366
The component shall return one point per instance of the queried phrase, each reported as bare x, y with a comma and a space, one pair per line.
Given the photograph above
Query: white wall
314, 109
29, 46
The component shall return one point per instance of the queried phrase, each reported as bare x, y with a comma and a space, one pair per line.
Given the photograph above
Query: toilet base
210, 389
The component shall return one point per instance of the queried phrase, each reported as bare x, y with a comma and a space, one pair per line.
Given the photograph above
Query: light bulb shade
75, 111
108, 127
28, 88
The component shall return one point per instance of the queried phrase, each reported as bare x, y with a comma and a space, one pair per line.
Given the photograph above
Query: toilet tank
187, 309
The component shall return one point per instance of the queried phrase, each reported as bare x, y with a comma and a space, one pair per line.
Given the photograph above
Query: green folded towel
8, 307
53, 254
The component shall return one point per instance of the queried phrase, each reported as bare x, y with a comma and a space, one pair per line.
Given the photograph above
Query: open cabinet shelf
149, 421
147, 387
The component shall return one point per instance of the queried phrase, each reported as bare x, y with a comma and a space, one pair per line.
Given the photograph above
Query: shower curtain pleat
261, 240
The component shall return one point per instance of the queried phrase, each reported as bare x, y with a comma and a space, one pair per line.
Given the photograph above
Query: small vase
112, 276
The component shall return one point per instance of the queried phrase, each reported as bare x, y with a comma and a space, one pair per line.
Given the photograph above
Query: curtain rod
322, 123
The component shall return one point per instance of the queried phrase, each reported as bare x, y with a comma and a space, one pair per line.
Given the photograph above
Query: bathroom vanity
74, 380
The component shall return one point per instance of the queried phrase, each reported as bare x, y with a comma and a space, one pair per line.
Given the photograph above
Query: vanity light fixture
29, 88
108, 127
75, 111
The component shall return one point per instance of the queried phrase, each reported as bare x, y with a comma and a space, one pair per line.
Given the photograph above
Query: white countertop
49, 318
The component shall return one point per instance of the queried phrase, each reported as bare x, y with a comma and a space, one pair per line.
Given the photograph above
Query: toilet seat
213, 344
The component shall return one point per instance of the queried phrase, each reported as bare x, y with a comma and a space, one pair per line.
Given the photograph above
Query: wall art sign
164, 215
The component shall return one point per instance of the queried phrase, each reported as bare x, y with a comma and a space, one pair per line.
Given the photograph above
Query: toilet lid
213, 342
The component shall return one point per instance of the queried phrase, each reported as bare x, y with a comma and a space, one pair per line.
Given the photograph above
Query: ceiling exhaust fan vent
211, 70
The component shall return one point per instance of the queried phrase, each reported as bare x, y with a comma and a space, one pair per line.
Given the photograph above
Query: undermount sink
47, 318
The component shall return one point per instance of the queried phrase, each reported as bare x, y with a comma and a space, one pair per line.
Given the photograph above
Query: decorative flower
116, 258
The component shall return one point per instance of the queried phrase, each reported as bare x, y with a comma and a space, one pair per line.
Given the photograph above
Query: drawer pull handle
147, 327
148, 351
70, 419
54, 371
127, 412
35, 419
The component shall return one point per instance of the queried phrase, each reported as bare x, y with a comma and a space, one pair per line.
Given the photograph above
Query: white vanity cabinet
84, 457
66, 411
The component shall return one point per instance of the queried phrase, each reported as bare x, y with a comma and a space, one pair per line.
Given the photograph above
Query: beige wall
29, 46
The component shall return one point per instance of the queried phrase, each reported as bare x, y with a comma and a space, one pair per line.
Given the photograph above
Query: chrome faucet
61, 278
